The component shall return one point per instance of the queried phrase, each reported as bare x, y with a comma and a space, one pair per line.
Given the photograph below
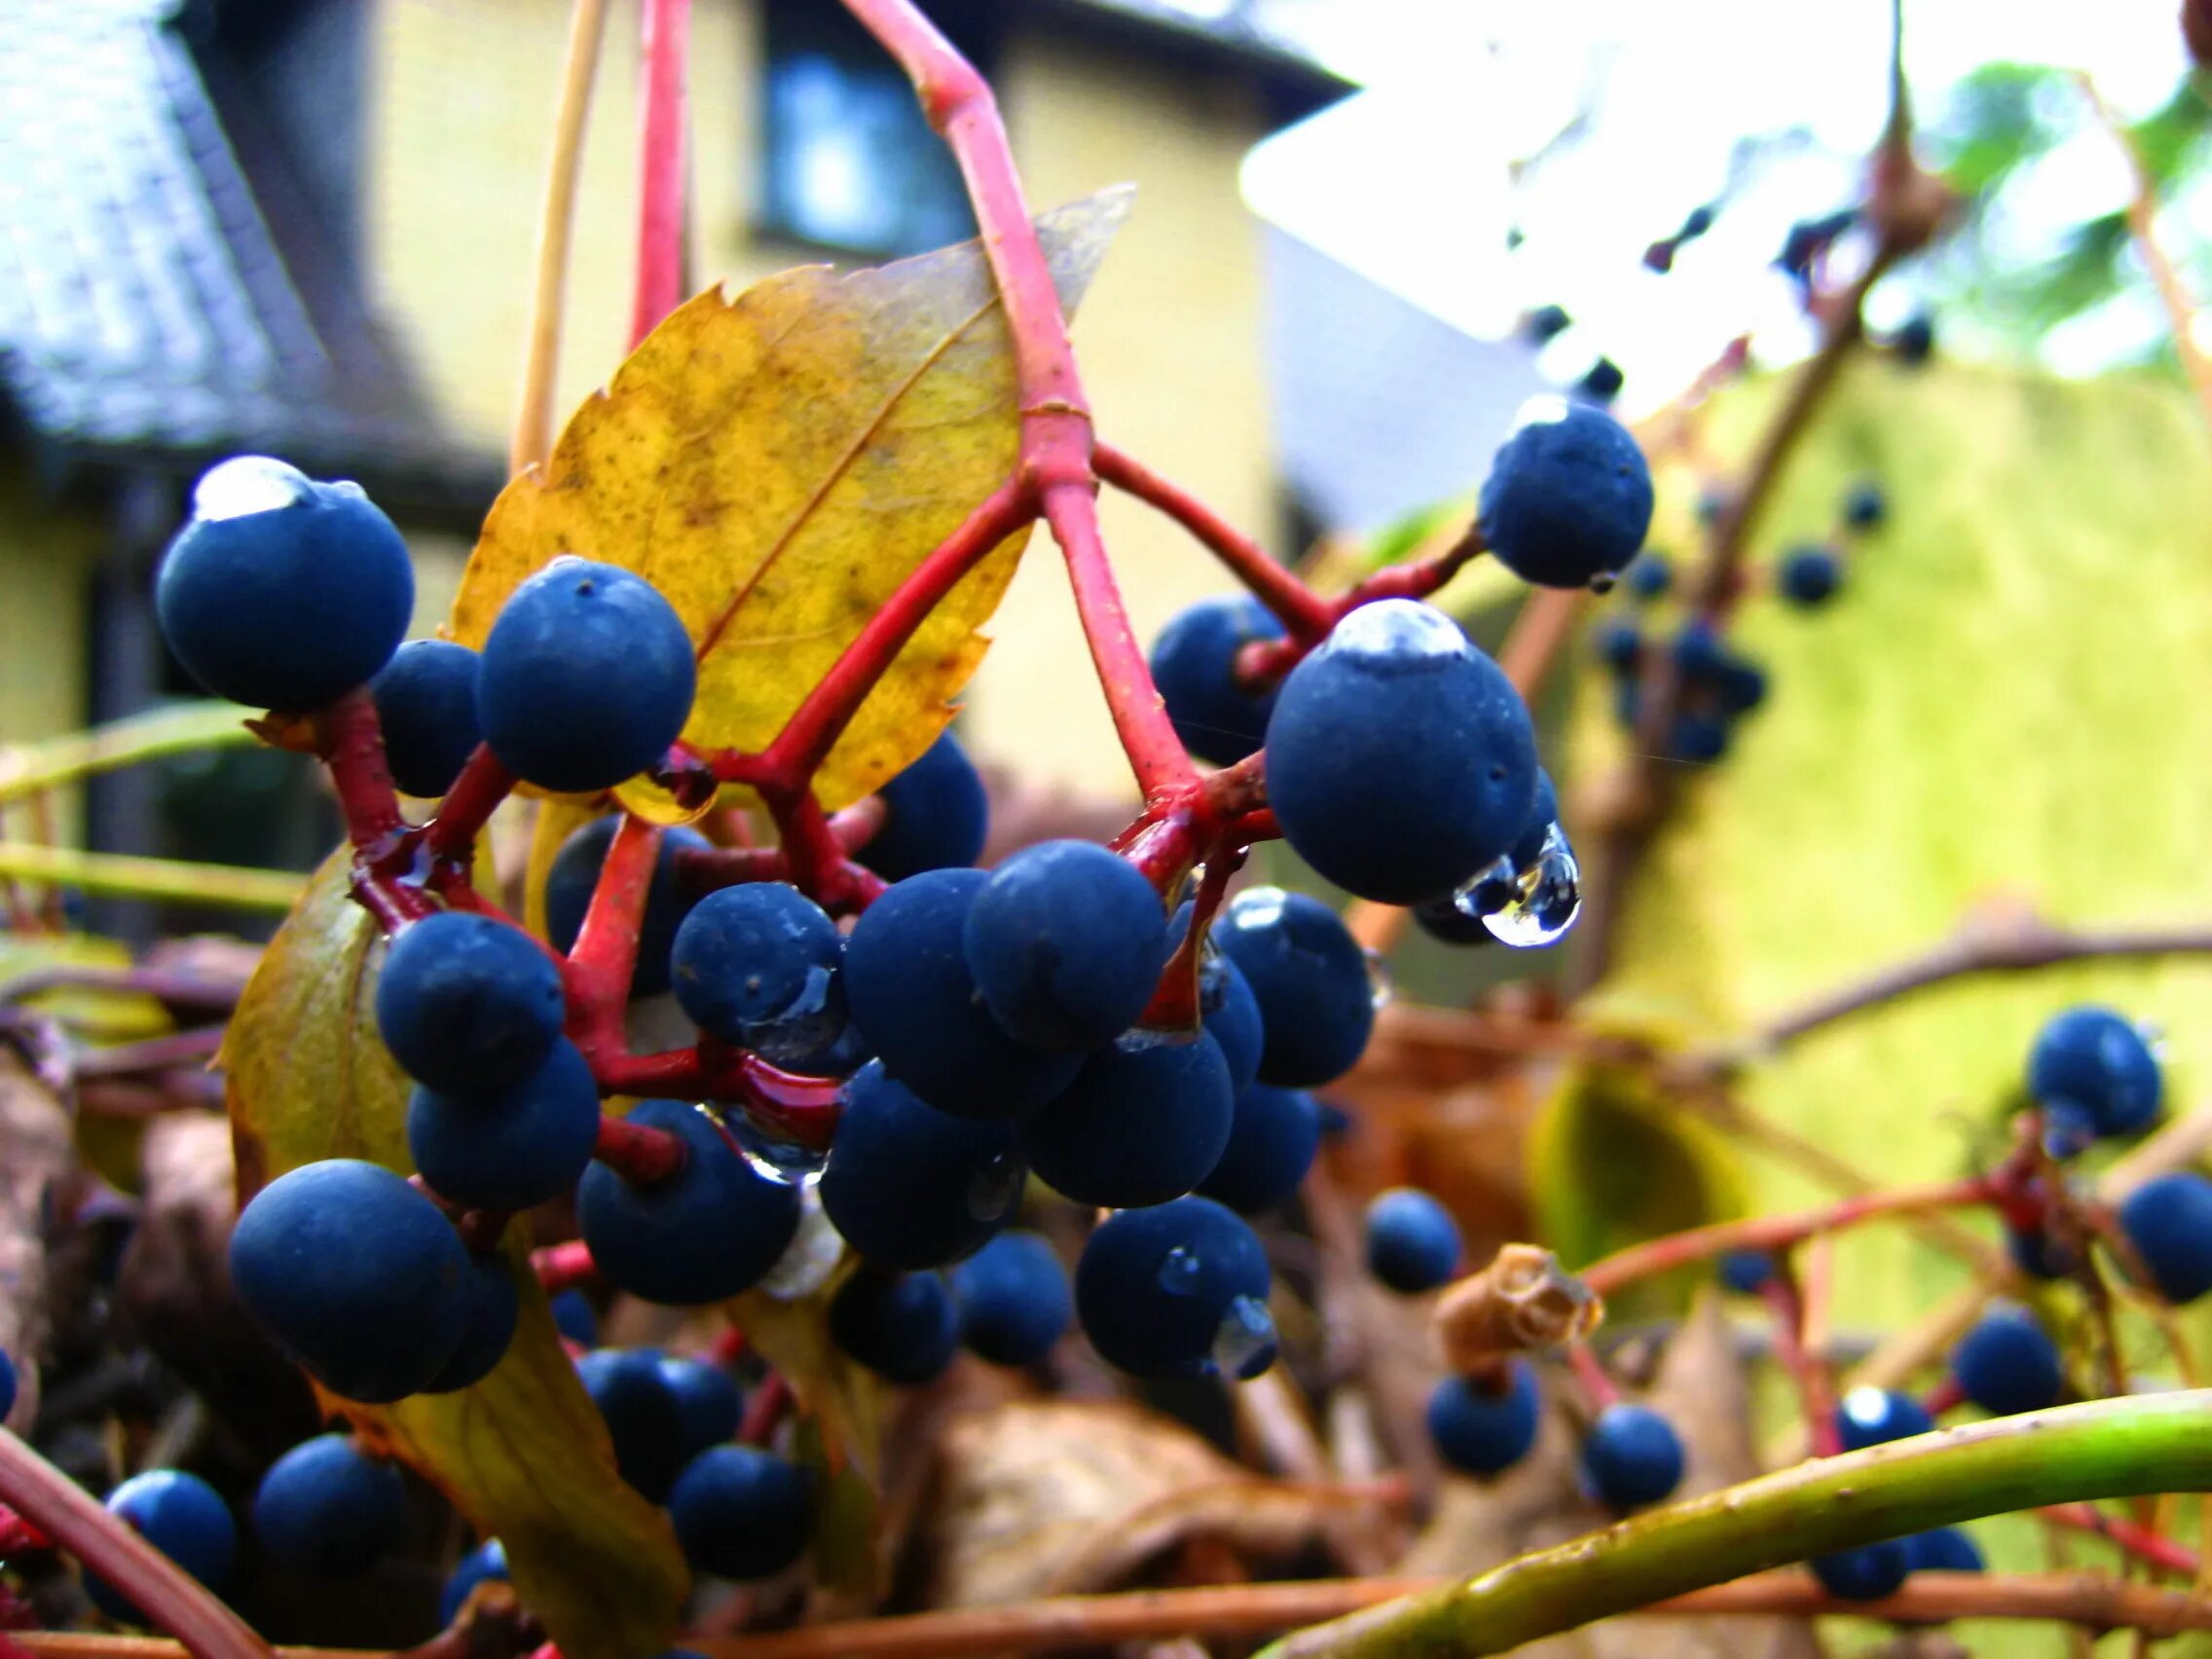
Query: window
849, 162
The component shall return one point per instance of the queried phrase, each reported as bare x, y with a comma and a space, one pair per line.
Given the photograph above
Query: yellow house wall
462, 97
46, 563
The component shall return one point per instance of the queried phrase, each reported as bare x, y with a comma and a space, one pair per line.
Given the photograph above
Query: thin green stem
2156, 1442
185, 729
129, 878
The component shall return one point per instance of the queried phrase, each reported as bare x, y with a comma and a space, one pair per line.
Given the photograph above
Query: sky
1411, 182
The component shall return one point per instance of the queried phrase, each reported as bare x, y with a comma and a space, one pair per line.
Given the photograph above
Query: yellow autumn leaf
777, 464
524, 1454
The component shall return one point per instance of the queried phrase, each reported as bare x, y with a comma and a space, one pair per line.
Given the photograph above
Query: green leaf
778, 463
524, 1454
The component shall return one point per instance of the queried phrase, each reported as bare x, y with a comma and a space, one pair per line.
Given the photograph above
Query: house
305, 226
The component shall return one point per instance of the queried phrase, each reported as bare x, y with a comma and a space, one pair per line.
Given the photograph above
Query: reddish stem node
563, 1265
641, 1154
1597, 1387
770, 1403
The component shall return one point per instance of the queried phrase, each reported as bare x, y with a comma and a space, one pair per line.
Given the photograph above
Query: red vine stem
2092, 1603
1057, 438
665, 42
468, 807
1777, 1233
1815, 1388
604, 955
1302, 610
563, 1265
169, 1597
639, 1153
2148, 1547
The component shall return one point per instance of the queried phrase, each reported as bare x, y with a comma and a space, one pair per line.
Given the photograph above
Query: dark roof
146, 313
1296, 83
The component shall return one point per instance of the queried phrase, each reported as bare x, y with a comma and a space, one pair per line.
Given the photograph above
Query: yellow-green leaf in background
777, 463
524, 1454
2009, 702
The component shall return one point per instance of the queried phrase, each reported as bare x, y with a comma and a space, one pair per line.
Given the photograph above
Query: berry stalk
665, 42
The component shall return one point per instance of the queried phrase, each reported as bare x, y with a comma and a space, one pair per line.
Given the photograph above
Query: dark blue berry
905, 1327
467, 1003
1698, 221
741, 1512
2168, 1219
426, 701
1867, 1574
325, 1510
1810, 576
1569, 496
641, 1415
1194, 665
283, 593
707, 1401
1864, 506
2007, 1363
1154, 1287
2098, 1062
1015, 1300
1601, 381
184, 1518
1618, 644
910, 1187
1309, 977
586, 678
1699, 740
1747, 1272
486, 1563
756, 965
575, 875
1230, 1014
1914, 342
355, 1276
1400, 759
575, 1318
1649, 577
1485, 1429
1632, 1456
1144, 1121
2038, 1255
703, 1235
935, 815
514, 1148
495, 1312
1945, 1549
1413, 1243
1740, 683
915, 1000
1546, 322
1065, 941
1875, 1416
7, 1386
1272, 1138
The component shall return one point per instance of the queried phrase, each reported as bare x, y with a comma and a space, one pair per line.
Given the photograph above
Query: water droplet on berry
1399, 631
1488, 890
1245, 1345
996, 1187
250, 484
1381, 985
1546, 900
786, 1162
812, 1255
1603, 582
1179, 1272
1258, 907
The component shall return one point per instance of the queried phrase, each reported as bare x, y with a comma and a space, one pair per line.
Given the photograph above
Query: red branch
771, 1402
1302, 611
2148, 1547
564, 1267
1778, 1232
665, 43
1815, 1387
483, 784
169, 1597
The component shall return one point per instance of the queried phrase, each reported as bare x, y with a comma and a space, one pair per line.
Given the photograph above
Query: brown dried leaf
1060, 1497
